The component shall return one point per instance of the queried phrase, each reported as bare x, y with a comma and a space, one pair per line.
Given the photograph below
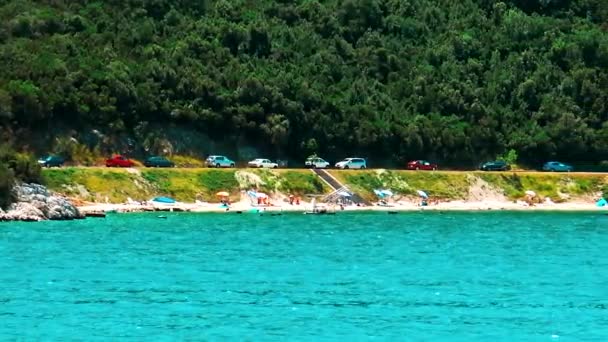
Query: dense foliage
390, 80
15, 166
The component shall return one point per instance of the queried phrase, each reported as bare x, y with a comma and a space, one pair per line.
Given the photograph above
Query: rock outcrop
36, 203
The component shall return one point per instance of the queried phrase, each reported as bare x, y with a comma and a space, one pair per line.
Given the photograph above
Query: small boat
96, 214
161, 216
164, 200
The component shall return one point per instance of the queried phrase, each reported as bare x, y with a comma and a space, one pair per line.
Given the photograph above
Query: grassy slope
455, 185
547, 185
97, 184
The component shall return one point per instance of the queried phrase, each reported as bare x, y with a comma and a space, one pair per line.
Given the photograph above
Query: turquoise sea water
411, 276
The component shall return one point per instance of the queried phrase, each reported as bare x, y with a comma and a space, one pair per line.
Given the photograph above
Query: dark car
119, 161
51, 161
421, 165
158, 162
496, 165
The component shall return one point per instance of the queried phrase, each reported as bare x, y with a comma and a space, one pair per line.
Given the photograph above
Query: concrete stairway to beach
338, 187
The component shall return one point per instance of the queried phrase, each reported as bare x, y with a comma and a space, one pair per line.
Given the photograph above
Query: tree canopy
390, 80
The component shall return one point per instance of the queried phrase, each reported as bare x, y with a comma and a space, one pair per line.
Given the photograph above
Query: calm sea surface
411, 276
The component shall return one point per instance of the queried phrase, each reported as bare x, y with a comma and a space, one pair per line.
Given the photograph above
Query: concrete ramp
337, 187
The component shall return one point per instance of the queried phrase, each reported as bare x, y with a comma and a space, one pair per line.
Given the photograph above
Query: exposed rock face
36, 203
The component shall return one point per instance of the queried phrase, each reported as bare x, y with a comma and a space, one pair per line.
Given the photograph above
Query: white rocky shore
35, 202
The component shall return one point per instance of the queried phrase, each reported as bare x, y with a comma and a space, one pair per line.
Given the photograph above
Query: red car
119, 161
421, 165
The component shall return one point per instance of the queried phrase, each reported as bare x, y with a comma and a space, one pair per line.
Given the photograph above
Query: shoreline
456, 206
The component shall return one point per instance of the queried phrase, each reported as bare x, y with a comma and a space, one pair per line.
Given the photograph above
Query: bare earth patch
248, 179
480, 190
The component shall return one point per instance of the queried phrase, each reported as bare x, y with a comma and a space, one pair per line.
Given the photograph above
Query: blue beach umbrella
422, 194
383, 193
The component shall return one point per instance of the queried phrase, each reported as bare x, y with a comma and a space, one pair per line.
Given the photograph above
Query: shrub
15, 167
23, 166
510, 157
6, 184
72, 150
187, 161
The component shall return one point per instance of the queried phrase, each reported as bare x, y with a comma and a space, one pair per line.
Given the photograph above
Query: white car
262, 163
317, 163
352, 163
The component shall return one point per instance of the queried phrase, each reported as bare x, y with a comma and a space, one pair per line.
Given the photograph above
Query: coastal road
518, 172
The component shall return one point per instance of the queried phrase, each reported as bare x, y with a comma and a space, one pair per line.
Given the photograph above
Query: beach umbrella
343, 194
530, 193
387, 192
222, 194
383, 193
601, 203
422, 194
261, 195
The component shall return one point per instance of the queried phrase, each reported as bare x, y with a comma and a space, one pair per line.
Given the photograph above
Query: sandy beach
245, 206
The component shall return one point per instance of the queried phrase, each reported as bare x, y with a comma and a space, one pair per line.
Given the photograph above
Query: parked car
219, 161
157, 161
421, 165
50, 161
556, 166
316, 163
352, 163
262, 163
496, 165
119, 161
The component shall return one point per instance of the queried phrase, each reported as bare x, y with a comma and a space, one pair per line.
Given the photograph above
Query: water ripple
423, 276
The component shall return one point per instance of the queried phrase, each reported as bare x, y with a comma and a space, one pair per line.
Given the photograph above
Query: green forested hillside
390, 80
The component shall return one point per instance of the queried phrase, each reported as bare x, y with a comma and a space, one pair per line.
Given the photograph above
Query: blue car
50, 161
496, 165
157, 161
555, 166
219, 161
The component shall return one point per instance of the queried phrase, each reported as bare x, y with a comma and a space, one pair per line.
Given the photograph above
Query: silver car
317, 163
219, 161
352, 163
